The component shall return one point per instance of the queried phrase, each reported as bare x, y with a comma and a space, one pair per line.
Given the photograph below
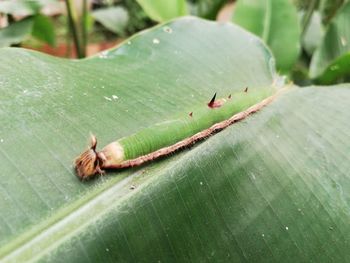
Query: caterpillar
169, 136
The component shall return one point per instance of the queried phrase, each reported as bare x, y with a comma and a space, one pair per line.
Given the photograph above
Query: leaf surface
272, 187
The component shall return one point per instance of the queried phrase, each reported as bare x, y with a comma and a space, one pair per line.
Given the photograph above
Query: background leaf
44, 30
16, 32
161, 11
20, 8
206, 8
314, 34
331, 60
113, 18
276, 22
274, 187
329, 8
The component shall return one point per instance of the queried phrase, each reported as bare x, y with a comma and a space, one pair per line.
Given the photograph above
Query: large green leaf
331, 59
276, 22
273, 187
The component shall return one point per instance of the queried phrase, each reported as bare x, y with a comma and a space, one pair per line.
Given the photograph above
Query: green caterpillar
166, 137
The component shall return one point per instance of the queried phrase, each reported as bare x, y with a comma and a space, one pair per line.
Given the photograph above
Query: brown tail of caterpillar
90, 161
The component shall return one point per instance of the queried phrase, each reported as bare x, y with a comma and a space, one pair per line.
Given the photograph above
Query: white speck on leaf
25, 91
107, 249
1, 140
286, 228
253, 40
102, 87
168, 30
201, 183
156, 41
115, 97
262, 235
103, 54
129, 42
107, 98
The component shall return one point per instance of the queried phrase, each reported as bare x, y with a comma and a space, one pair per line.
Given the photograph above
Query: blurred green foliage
16, 32
331, 59
276, 22
312, 46
33, 23
208, 9
324, 37
137, 18
327, 8
162, 11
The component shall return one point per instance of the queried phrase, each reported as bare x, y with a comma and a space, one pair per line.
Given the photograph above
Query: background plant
24, 18
309, 39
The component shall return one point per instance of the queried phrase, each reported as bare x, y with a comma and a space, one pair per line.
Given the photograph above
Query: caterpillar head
89, 162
